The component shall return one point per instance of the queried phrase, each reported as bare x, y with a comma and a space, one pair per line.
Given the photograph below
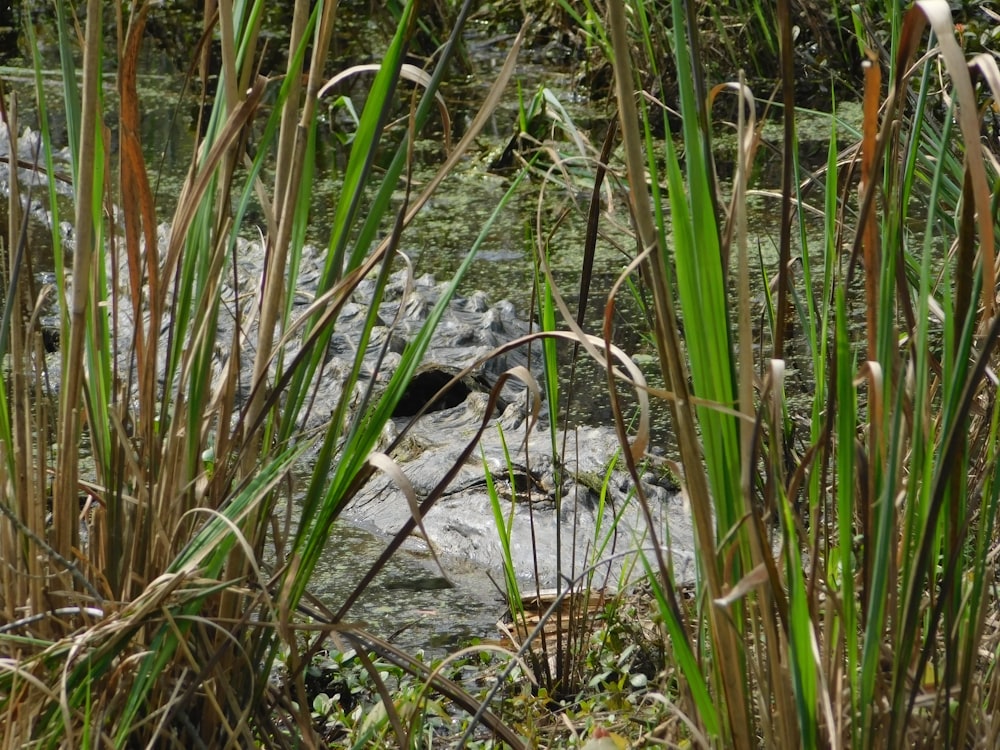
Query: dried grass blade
200, 180
408, 72
138, 211
937, 13
593, 219
402, 737
384, 463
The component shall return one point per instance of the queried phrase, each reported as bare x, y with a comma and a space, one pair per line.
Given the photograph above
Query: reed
162, 513
839, 590
162, 625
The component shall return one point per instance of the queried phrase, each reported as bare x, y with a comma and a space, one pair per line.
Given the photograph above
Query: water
405, 604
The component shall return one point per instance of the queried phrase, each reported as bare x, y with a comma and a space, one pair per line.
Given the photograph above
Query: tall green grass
845, 535
841, 592
162, 626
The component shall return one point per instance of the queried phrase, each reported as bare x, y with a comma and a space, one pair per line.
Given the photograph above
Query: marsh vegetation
174, 459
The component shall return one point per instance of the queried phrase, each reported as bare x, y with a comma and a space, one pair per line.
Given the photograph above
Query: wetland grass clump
846, 573
153, 581
150, 584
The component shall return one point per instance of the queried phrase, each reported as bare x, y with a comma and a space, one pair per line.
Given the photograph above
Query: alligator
564, 514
